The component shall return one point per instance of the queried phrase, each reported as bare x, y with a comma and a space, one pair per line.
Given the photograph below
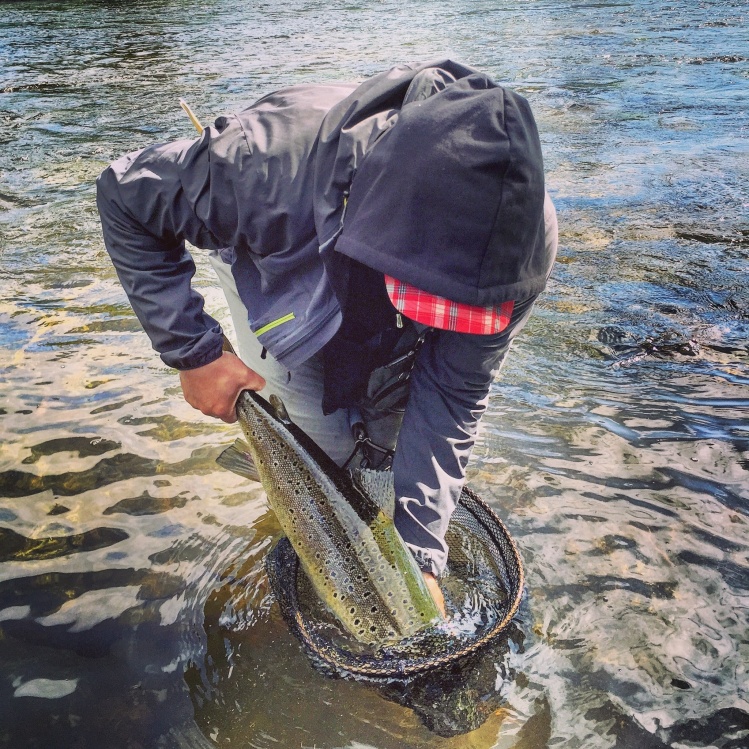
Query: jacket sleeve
148, 209
449, 394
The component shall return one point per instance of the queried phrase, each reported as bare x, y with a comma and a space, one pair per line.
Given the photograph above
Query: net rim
344, 662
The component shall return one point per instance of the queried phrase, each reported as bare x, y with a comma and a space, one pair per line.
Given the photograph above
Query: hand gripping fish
347, 545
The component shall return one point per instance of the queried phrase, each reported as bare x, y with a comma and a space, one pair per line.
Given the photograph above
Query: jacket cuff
208, 349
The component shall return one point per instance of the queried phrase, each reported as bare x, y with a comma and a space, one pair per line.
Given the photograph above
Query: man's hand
214, 388
435, 590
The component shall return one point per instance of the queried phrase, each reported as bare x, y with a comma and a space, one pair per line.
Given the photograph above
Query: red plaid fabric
438, 312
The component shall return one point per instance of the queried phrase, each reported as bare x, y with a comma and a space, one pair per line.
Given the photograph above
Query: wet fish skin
348, 547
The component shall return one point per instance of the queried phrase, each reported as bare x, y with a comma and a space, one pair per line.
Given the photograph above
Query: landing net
483, 584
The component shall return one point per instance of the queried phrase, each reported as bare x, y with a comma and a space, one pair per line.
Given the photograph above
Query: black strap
361, 443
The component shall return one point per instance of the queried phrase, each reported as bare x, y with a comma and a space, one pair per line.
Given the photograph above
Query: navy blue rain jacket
431, 173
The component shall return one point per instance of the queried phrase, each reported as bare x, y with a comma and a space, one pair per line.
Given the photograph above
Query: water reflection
134, 608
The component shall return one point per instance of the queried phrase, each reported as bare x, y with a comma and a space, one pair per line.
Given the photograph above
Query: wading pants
300, 391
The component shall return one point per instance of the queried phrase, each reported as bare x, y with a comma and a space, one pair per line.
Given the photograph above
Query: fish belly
344, 562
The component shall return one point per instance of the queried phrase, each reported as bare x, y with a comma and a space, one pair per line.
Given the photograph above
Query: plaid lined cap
438, 312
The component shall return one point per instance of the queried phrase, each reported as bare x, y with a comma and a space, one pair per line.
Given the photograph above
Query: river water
134, 607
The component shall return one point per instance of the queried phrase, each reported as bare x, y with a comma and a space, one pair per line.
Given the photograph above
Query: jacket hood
449, 195
352, 127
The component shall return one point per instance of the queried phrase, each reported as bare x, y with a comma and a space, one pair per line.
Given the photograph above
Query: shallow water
134, 607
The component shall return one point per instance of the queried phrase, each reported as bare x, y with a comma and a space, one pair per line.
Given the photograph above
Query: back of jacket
267, 187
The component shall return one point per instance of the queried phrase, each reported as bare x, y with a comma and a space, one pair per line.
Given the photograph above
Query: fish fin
226, 345
378, 486
280, 409
237, 459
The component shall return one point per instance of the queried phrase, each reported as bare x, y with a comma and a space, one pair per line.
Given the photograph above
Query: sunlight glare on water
134, 605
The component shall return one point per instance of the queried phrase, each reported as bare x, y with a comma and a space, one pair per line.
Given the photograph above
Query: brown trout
347, 545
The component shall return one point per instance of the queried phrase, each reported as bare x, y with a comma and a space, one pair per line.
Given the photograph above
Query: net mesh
483, 584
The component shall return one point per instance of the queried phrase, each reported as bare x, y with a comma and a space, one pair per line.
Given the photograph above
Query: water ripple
134, 608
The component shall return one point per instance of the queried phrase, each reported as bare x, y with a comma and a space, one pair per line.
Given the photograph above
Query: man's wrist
195, 360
